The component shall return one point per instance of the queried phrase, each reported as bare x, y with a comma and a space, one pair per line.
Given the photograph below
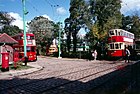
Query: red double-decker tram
118, 40
30, 47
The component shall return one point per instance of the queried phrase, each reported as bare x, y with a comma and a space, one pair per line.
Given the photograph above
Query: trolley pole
24, 27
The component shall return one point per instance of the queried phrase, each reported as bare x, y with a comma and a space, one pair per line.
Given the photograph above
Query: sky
55, 10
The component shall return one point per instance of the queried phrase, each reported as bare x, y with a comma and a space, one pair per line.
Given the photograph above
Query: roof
22, 34
4, 38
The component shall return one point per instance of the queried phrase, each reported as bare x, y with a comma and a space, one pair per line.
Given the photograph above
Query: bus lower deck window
116, 46
120, 45
111, 46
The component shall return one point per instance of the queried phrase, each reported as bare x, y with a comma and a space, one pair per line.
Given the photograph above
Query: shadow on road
125, 80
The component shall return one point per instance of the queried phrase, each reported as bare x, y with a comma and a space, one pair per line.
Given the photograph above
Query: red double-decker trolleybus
31, 46
118, 40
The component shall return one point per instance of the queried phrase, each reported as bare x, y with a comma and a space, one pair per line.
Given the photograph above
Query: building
6, 43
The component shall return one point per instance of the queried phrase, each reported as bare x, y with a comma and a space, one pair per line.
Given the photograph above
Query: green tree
5, 18
126, 22
5, 24
68, 33
135, 26
75, 21
10, 30
45, 31
102, 10
132, 24
106, 15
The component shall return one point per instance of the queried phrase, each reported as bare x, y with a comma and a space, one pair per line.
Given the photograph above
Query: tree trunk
69, 41
74, 41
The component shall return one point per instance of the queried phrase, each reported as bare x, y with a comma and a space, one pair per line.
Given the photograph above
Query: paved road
60, 76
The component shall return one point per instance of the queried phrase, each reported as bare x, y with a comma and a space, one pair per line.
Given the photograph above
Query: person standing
95, 54
127, 55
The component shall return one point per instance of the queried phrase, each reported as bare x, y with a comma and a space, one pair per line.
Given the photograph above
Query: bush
81, 55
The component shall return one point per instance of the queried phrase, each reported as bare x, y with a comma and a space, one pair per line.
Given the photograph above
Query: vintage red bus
118, 39
30, 47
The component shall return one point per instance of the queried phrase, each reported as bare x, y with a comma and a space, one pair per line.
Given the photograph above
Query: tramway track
83, 79
45, 82
117, 84
43, 76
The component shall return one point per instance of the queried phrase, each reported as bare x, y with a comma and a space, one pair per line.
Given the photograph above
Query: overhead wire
48, 2
56, 5
132, 11
34, 7
53, 5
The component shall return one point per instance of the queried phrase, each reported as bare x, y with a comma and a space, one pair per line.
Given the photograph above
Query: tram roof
121, 30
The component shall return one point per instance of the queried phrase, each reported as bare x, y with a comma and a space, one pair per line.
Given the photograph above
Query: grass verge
19, 66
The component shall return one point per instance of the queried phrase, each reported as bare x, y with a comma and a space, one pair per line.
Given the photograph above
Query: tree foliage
97, 15
102, 10
5, 18
45, 31
126, 22
135, 26
75, 21
132, 24
5, 24
42, 28
10, 30
106, 15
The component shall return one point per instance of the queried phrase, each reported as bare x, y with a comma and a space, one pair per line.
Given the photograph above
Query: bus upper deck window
122, 34
111, 33
116, 32
125, 34
133, 36
119, 33
28, 37
32, 37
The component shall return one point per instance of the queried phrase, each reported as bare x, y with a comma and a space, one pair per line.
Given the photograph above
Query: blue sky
56, 10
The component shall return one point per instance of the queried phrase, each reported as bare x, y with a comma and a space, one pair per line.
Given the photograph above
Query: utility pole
24, 27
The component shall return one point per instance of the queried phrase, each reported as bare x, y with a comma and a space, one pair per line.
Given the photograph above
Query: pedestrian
127, 55
94, 54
